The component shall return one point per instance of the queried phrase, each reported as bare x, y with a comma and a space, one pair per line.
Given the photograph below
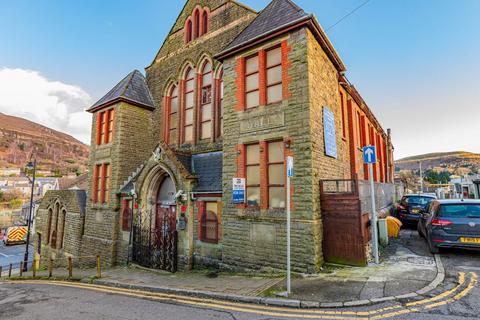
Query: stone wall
227, 20
131, 146
72, 234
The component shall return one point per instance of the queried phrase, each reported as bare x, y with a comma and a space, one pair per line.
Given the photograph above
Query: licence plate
470, 240
415, 211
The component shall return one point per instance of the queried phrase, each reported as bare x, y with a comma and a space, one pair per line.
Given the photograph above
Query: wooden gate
345, 229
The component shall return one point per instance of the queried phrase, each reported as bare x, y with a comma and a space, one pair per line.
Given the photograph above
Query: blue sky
416, 62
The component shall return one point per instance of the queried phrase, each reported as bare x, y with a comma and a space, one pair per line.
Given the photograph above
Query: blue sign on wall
369, 154
238, 196
329, 133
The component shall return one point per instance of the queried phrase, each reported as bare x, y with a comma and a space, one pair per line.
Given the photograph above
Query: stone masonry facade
170, 144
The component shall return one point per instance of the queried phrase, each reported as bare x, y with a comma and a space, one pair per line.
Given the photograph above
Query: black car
451, 224
411, 206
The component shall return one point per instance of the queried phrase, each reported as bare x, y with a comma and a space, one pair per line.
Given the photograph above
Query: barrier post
50, 267
99, 268
34, 267
21, 268
0, 271
70, 267
10, 271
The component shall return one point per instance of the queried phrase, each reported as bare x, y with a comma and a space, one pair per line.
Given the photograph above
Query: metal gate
155, 245
345, 229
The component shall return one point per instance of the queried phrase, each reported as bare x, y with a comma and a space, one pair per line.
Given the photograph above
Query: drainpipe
389, 133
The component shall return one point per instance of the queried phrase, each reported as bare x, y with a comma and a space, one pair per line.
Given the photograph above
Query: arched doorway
154, 233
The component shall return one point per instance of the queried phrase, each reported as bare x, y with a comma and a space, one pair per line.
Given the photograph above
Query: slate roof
208, 168
278, 14
133, 88
81, 200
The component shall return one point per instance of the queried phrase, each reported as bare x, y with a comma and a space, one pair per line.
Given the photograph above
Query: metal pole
25, 259
289, 286
374, 215
421, 178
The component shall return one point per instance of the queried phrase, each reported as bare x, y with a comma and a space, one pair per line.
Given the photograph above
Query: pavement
407, 270
142, 294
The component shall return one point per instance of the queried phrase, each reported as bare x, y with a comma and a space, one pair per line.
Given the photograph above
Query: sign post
238, 194
289, 176
370, 157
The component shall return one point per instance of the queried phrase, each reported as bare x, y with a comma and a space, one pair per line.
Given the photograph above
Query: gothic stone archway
154, 232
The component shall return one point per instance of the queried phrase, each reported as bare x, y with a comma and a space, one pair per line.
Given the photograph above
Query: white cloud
60, 106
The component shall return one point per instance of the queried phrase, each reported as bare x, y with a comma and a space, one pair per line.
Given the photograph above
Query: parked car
411, 206
451, 224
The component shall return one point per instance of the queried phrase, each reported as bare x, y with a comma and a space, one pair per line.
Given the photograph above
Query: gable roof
280, 16
132, 89
277, 14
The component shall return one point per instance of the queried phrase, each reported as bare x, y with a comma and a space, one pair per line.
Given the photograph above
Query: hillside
458, 162
55, 151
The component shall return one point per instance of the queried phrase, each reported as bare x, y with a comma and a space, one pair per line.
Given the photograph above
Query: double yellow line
382, 313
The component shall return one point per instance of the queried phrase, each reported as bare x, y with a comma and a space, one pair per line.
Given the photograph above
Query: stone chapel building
231, 93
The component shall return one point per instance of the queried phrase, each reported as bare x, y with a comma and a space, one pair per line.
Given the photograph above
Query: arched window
172, 115
61, 231
49, 225
206, 102
209, 223
196, 22
189, 105
53, 237
204, 22
188, 36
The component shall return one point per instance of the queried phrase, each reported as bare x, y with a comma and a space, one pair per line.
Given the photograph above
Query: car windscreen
459, 211
419, 201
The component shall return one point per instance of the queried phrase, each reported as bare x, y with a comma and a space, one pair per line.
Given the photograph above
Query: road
31, 300
13, 254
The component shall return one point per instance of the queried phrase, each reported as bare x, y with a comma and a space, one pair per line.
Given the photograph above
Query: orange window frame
185, 126
257, 89
271, 163
267, 67
170, 114
204, 122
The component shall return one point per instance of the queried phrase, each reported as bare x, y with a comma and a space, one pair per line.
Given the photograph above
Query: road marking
3, 254
383, 313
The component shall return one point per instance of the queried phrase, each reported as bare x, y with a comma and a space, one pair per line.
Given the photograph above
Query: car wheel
433, 249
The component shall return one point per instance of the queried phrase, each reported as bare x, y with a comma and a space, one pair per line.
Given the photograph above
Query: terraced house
231, 93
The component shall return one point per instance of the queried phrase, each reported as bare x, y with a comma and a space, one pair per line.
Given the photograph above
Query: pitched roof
133, 89
278, 14
208, 169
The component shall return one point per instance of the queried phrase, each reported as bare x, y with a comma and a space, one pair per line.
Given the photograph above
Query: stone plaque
103, 153
262, 122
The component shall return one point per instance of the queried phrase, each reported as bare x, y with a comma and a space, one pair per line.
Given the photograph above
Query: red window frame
272, 163
257, 89
267, 68
196, 22
126, 214
110, 125
105, 126
173, 90
189, 31
205, 101
209, 221
256, 164
185, 109
204, 22
101, 183
342, 105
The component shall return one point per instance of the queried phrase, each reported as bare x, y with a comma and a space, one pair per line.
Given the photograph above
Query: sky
415, 62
